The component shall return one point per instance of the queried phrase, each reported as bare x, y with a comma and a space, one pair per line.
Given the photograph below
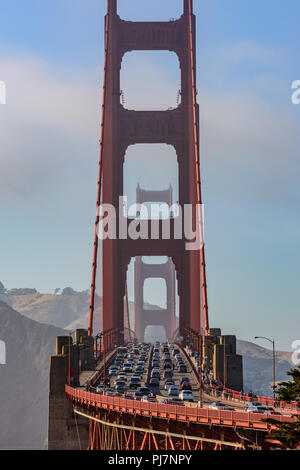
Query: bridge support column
65, 432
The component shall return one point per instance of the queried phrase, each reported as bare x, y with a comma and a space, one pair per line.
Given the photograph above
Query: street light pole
272, 341
69, 365
200, 373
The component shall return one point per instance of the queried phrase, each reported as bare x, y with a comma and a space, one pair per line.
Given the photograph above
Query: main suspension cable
99, 188
197, 163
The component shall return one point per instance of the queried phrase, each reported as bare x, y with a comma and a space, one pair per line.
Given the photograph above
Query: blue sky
51, 58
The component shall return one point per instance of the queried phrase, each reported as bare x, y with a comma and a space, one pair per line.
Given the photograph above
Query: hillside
24, 380
60, 310
69, 311
258, 367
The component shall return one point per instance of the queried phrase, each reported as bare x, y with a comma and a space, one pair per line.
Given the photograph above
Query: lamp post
273, 348
200, 373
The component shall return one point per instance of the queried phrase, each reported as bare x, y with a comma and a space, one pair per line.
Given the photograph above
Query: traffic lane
129, 375
177, 376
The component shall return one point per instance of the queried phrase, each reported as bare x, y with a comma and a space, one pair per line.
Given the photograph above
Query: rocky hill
258, 367
61, 310
68, 309
24, 380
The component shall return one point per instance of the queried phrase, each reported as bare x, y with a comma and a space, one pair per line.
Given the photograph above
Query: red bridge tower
177, 127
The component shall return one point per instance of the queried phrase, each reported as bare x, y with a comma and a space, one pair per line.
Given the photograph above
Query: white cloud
52, 122
49, 115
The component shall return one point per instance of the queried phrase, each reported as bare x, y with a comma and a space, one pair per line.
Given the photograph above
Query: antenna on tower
112, 6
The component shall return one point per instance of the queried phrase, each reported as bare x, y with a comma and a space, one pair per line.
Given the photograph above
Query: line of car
167, 358
251, 407
131, 372
141, 372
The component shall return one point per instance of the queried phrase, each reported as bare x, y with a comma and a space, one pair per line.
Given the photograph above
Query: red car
168, 374
186, 386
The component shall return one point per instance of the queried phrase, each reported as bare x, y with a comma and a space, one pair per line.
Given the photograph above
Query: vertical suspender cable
197, 163
127, 311
96, 241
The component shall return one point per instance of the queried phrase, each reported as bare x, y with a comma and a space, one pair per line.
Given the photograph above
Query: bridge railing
267, 401
165, 411
234, 395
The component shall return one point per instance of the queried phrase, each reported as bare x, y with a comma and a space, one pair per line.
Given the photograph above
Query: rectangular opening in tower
156, 10
150, 80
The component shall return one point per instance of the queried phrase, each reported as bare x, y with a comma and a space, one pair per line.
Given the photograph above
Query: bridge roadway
188, 426
161, 393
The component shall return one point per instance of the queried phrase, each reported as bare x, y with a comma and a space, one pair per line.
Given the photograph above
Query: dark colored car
167, 365
119, 382
169, 381
168, 374
154, 381
134, 384
141, 391
186, 386
184, 379
176, 401
182, 368
155, 375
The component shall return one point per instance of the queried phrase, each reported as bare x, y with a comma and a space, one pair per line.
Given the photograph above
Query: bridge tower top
112, 6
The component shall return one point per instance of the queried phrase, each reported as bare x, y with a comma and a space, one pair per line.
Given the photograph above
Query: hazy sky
51, 58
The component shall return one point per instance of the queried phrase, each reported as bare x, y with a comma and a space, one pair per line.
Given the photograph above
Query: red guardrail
267, 401
182, 413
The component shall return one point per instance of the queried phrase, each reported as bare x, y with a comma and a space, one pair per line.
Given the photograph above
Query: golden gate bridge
83, 410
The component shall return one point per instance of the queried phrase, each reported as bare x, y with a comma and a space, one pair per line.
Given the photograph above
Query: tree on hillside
68, 291
288, 433
2, 288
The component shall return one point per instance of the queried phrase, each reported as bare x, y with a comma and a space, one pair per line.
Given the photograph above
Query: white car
173, 391
217, 405
250, 404
147, 399
257, 409
186, 395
